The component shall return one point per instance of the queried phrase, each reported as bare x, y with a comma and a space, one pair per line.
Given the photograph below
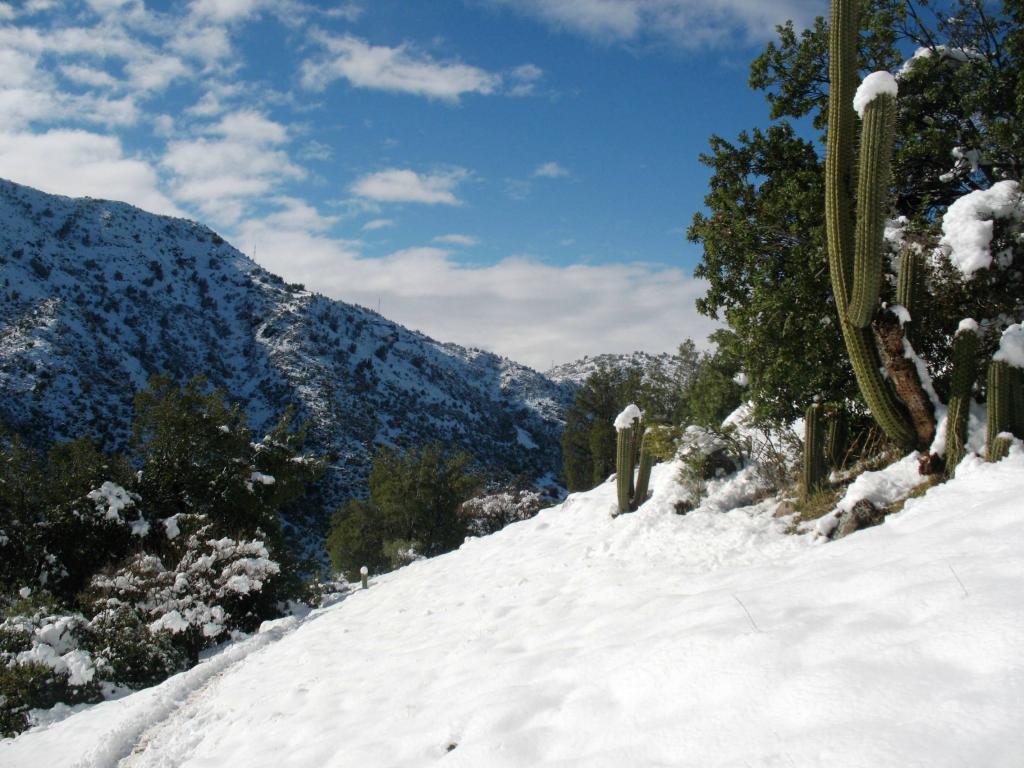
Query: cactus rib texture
1000, 380
624, 467
878, 132
836, 438
814, 450
965, 351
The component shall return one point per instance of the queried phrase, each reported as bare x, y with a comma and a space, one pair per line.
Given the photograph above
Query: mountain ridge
99, 296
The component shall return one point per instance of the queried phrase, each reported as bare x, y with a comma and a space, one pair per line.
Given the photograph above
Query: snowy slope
99, 295
578, 639
663, 365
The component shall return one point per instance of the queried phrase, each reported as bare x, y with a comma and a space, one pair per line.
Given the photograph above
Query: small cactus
837, 438
1000, 380
814, 450
965, 351
631, 444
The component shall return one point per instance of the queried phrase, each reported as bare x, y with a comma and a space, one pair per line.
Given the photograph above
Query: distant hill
98, 296
664, 365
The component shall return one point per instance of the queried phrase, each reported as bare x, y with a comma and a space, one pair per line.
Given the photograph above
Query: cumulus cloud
400, 70
401, 185
687, 23
238, 161
79, 163
533, 312
550, 170
375, 224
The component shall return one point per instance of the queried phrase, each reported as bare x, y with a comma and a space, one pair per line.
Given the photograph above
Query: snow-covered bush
491, 512
42, 662
217, 587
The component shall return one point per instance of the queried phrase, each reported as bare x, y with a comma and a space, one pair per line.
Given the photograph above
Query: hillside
98, 296
650, 639
664, 366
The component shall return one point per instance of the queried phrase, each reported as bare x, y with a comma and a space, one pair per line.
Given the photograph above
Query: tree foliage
414, 499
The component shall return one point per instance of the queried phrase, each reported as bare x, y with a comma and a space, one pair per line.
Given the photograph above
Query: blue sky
510, 174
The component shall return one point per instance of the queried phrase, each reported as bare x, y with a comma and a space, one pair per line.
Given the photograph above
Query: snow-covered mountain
99, 295
665, 366
718, 638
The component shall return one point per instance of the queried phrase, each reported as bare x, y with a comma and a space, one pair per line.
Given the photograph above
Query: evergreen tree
414, 499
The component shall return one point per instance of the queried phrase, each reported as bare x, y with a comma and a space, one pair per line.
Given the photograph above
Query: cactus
643, 472
843, 35
909, 281
965, 351
878, 134
836, 439
814, 450
1000, 378
631, 444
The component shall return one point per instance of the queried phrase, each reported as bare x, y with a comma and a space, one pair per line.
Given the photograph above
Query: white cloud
77, 163
465, 241
399, 70
397, 185
96, 78
204, 42
350, 12
550, 170
252, 127
225, 10
533, 312
222, 176
375, 224
296, 214
6, 12
523, 79
687, 23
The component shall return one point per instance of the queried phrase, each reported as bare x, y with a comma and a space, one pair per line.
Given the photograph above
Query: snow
111, 499
874, 85
574, 638
625, 419
967, 324
901, 312
967, 226
1011, 346
171, 527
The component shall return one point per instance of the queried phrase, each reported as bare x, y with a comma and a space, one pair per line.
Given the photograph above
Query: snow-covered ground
650, 639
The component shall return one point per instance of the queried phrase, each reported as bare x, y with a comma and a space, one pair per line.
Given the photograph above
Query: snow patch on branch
968, 225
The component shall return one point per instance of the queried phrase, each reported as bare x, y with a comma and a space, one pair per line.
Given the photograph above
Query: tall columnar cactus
814, 449
1000, 382
965, 369
855, 297
631, 444
874, 175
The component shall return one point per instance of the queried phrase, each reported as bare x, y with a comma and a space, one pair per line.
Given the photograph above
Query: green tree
414, 499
